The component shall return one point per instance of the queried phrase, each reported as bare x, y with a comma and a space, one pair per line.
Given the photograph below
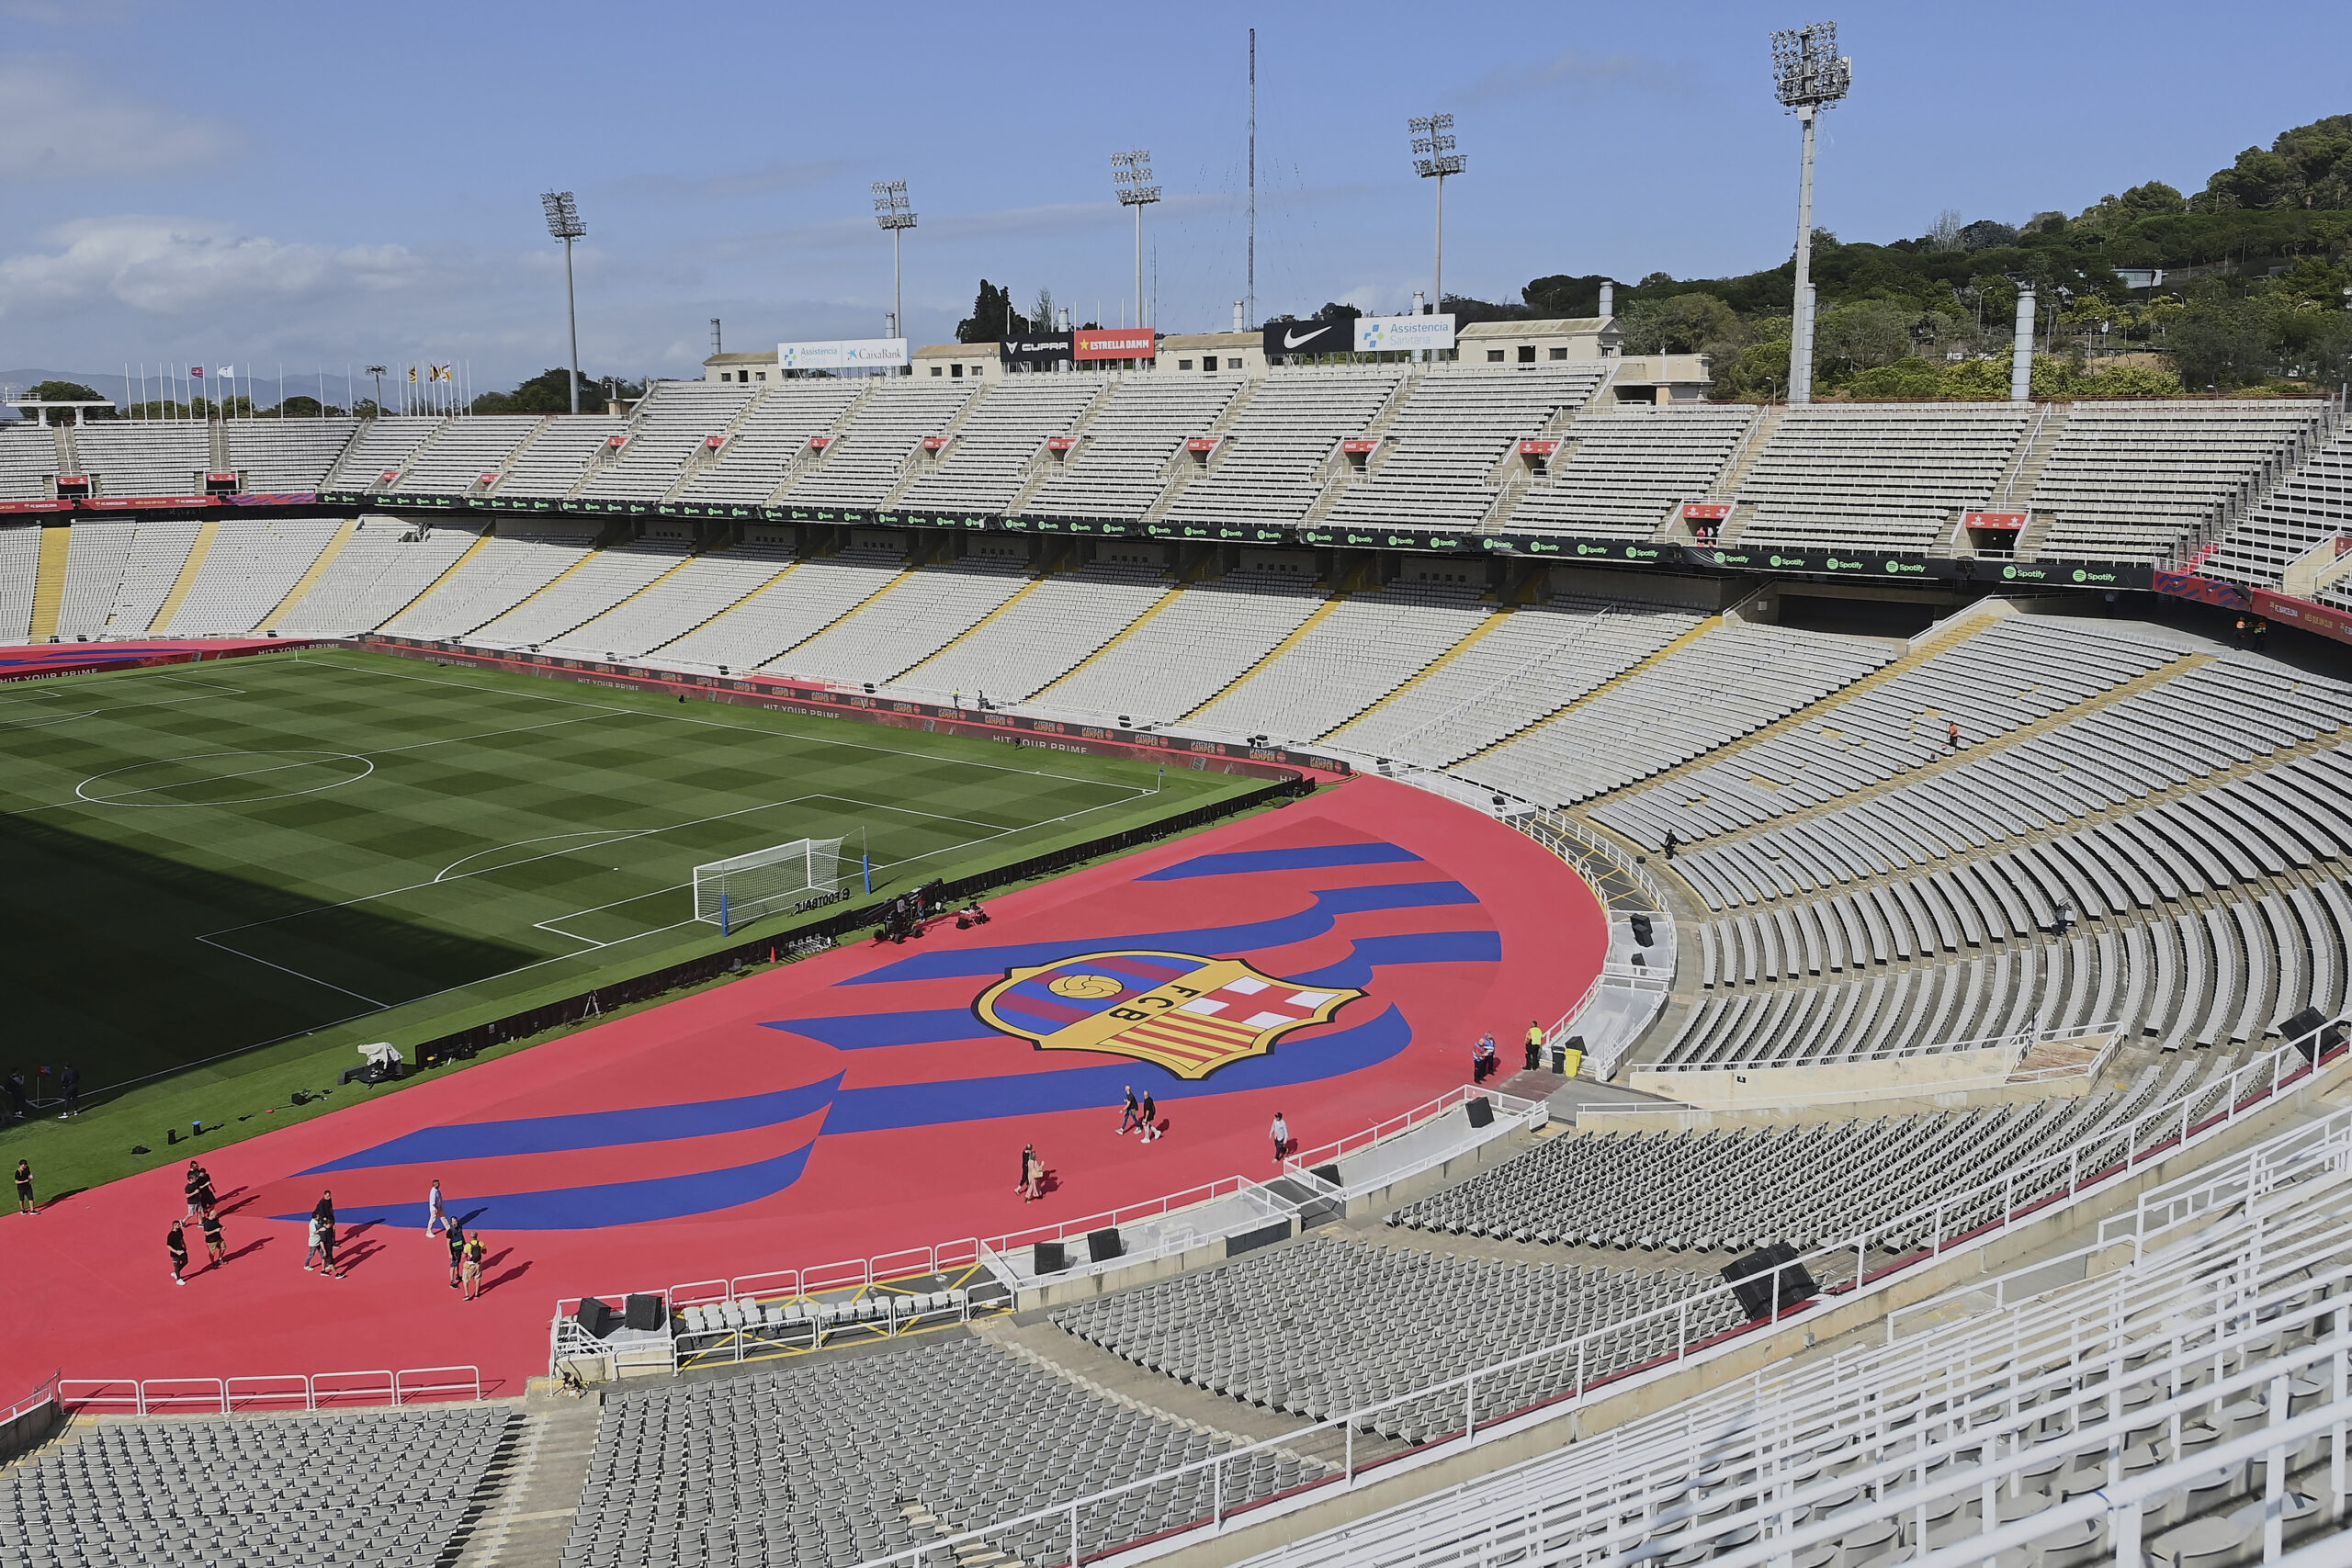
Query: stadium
1573, 968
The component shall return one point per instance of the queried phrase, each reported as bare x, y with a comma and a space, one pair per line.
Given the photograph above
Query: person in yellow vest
1534, 1046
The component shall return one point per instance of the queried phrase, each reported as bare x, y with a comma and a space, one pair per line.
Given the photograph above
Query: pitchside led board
1365, 335
844, 353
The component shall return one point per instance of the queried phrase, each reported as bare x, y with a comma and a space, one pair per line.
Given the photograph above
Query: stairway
49, 580
521, 1515
206, 532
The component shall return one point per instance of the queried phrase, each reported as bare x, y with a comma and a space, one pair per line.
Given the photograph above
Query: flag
412, 374
196, 372
228, 370
440, 373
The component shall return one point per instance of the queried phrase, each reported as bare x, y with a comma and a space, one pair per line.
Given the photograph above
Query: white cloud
61, 127
170, 266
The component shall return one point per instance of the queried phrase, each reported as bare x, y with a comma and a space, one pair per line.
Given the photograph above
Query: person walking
215, 1246
1033, 1174
69, 1083
17, 1096
311, 1257
25, 1188
175, 1247
433, 1211
1132, 1116
327, 1264
1671, 841
1281, 1130
1151, 1118
473, 1251
456, 1236
1952, 736
197, 1187
1534, 1046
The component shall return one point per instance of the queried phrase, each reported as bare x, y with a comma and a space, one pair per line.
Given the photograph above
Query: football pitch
202, 857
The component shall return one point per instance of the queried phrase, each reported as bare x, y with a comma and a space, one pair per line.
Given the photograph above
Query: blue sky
314, 184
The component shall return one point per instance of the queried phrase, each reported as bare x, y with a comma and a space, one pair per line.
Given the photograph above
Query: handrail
2034, 1035
43, 1392
2024, 1194
228, 1396
1304, 1162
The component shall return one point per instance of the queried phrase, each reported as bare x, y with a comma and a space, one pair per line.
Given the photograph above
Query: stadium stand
667, 430
2133, 482
384, 446
553, 462
769, 440
1123, 463
915, 616
453, 461
380, 570
1884, 475
842, 1460
670, 607
865, 462
1037, 640
516, 563
986, 463
1523, 666
1332, 1326
1364, 648
1629, 467
605, 579
1440, 456
19, 568
152, 562
28, 461
1185, 650
2310, 507
286, 455
1269, 464
253, 564
252, 1492
1723, 684
144, 458
802, 602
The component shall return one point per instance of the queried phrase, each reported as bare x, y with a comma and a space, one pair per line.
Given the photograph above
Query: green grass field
334, 847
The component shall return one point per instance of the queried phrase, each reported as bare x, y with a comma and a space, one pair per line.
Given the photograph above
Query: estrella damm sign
1189, 1014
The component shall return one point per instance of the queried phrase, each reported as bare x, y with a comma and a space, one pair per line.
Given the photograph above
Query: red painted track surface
844, 1107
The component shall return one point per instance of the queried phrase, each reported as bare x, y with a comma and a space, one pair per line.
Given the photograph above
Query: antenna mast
1251, 291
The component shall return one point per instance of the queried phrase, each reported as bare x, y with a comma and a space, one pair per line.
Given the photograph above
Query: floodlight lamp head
890, 208
563, 215
1434, 146
1131, 173
1807, 71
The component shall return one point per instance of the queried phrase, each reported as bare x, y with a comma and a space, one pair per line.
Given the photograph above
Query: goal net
730, 893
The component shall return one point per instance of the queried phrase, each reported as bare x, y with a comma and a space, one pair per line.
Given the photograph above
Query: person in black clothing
197, 1189
69, 1083
327, 1265
175, 1246
17, 1096
323, 1209
25, 1188
456, 1239
215, 1246
1151, 1118
1670, 842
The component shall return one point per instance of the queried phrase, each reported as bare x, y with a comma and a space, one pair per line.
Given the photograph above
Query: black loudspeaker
594, 1317
1329, 1173
1482, 1111
1641, 924
1103, 1245
643, 1312
2310, 1032
1753, 1281
1048, 1258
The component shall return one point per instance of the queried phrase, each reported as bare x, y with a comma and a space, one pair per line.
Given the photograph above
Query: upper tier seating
1525, 665
1268, 467
144, 457
2130, 481
1330, 1326
254, 563
1186, 650
1876, 476
1365, 648
583, 594
2006, 675
454, 461
1439, 453
823, 1464
803, 601
286, 455
555, 460
384, 446
921, 613
19, 570
500, 575
1121, 465
868, 458
389, 1488
2311, 506
385, 564
670, 426
1628, 467
28, 460
1728, 683
773, 435
675, 604
986, 464
1037, 641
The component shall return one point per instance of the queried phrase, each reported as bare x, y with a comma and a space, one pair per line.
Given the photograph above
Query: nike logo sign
1291, 339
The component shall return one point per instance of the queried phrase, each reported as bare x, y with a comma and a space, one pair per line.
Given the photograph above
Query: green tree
71, 392
993, 319
549, 392
1682, 323
2222, 343
1858, 336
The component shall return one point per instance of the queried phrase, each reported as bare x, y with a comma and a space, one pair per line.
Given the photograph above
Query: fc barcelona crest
1189, 1014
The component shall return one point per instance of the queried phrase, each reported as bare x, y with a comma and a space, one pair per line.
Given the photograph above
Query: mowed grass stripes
193, 861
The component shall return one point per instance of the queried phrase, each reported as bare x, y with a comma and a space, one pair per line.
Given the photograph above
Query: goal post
743, 888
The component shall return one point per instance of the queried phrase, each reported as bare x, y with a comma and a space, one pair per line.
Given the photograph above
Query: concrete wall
1943, 1078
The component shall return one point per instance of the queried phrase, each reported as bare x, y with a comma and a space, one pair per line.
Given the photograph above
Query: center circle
225, 778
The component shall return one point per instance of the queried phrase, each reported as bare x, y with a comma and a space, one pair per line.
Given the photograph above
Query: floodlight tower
1808, 75
1435, 159
891, 211
564, 223
1131, 172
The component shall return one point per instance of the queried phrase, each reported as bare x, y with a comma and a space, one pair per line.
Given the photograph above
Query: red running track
853, 1104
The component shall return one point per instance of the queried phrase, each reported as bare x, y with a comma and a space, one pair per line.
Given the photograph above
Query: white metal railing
1589, 1362
1510, 1110
43, 1392
2036, 1033
289, 1390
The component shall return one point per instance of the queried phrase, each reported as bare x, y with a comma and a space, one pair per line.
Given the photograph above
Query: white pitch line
282, 969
